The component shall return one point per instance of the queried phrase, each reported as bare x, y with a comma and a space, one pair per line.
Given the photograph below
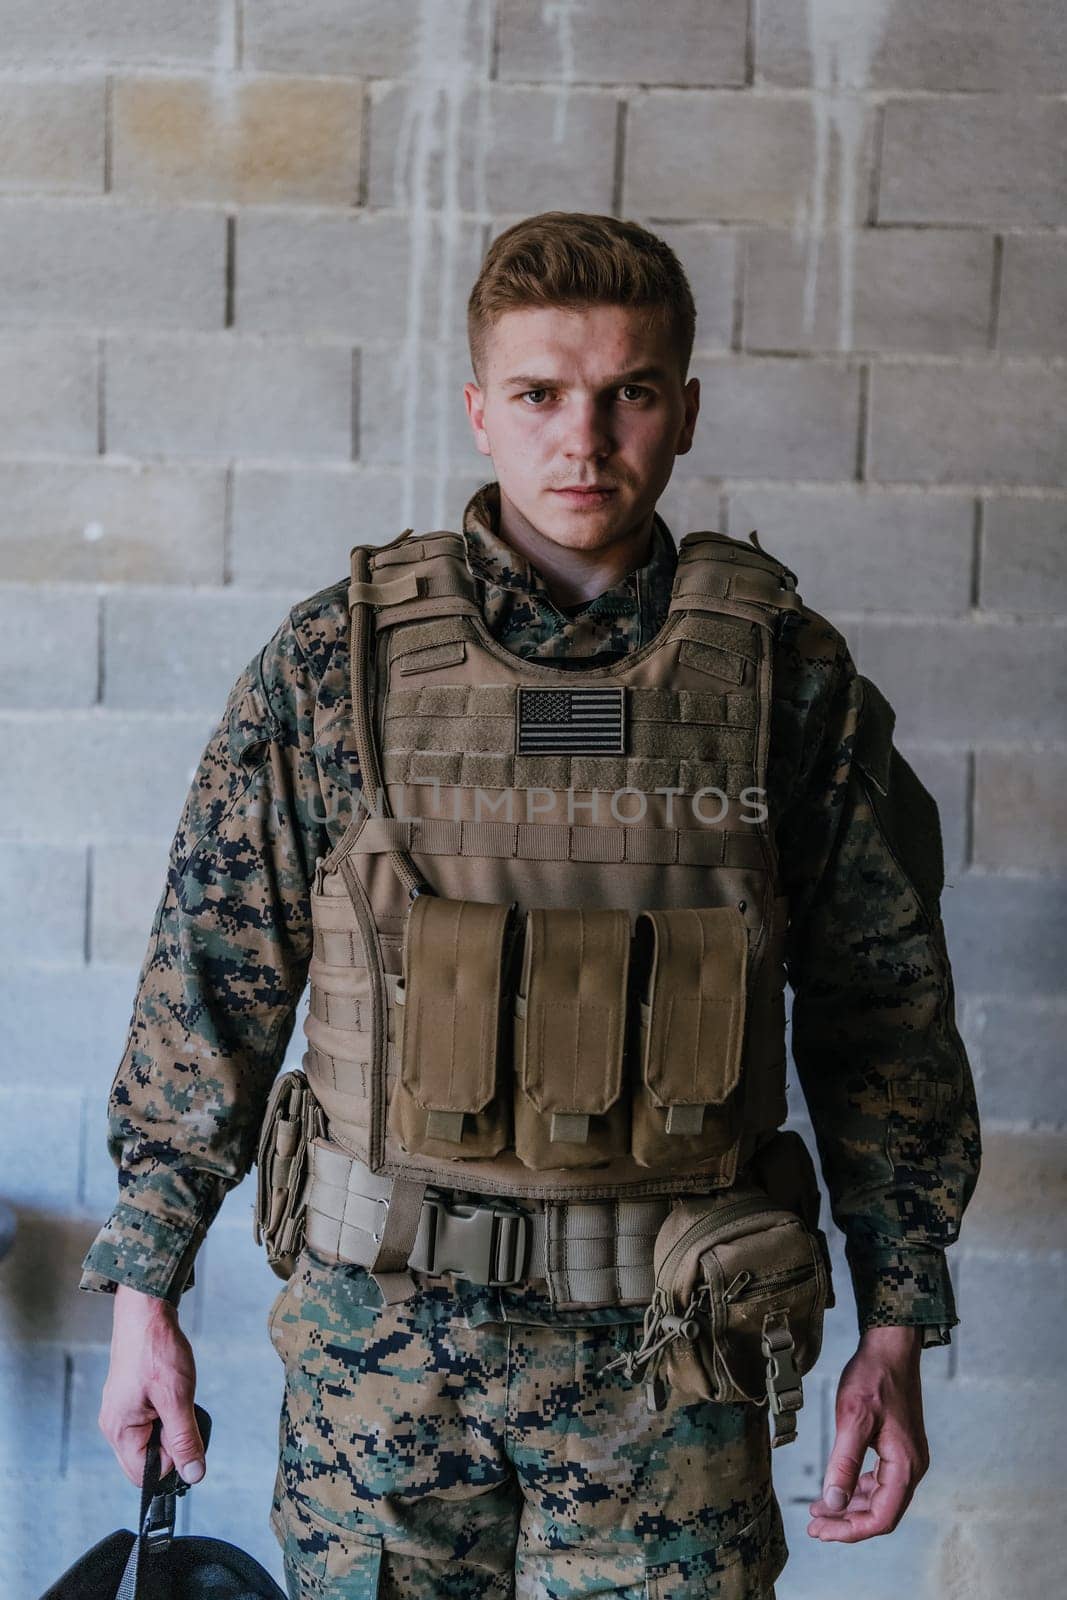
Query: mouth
592, 495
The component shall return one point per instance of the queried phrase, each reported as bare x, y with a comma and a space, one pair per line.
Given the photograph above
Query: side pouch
293, 1118
570, 1029
456, 958
692, 1018
737, 1311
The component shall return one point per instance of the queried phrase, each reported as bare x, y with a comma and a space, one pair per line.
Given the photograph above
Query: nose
587, 435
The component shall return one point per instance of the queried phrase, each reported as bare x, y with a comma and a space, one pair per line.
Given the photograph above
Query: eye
638, 386
528, 392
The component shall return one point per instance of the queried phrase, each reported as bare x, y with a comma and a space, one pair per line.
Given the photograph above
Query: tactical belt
587, 1253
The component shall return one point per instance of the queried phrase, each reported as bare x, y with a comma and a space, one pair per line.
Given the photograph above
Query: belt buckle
485, 1243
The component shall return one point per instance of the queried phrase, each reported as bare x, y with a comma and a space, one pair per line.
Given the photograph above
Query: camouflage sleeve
874, 1037
225, 966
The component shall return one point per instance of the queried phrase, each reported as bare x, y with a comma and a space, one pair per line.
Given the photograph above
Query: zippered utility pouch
737, 1313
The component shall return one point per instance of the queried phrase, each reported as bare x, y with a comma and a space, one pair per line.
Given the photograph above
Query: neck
573, 574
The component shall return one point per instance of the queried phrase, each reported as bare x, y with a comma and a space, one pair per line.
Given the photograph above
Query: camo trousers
423, 1457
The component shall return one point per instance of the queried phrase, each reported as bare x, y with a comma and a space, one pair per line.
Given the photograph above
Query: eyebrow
531, 381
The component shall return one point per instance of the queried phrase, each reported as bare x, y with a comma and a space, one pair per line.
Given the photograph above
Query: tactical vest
548, 949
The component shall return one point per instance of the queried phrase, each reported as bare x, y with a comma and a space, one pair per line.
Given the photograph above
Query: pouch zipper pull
733, 1289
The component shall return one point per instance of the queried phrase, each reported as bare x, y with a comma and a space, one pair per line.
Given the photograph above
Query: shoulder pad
748, 552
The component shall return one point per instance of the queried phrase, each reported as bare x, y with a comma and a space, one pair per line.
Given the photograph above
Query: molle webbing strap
561, 841
598, 1253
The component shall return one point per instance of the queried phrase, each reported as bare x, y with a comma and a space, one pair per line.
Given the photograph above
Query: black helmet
154, 1565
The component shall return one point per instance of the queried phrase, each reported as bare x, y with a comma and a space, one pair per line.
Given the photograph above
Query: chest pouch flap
570, 1027
693, 962
456, 954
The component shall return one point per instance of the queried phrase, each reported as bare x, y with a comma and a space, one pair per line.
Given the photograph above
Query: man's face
582, 397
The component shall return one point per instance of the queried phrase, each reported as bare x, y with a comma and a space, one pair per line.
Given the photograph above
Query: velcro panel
693, 1017
453, 964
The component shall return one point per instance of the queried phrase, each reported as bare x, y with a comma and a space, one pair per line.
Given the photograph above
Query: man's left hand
879, 1405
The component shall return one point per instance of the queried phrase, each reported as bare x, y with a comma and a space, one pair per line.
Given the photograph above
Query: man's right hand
152, 1373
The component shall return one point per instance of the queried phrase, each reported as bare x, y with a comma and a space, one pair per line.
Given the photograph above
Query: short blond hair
571, 259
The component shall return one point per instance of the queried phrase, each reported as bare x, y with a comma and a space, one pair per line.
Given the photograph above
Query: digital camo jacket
874, 1039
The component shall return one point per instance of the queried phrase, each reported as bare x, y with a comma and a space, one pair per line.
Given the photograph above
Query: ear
692, 407
475, 400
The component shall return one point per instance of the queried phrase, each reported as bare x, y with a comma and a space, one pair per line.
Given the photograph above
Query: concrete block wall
236, 239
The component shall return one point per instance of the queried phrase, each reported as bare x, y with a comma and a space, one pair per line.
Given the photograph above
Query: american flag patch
553, 721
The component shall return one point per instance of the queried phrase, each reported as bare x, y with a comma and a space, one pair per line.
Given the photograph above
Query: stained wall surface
236, 240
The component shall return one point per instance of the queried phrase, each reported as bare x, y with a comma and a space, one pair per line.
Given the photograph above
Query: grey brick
879, 1569
33, 1383
989, 1317
108, 265
975, 159
1033, 300
727, 157
181, 650
268, 140
40, 1301
994, 1444
422, 410
980, 423
127, 882
615, 41
47, 883
118, 31
574, 137
1016, 1050
347, 275
40, 1137
52, 136
957, 44
1020, 1554
109, 523
130, 773
88, 1011
359, 38
48, 384
1020, 810
761, 418
239, 1286
229, 397
1024, 555
1022, 1192
922, 289
1006, 936
48, 646
293, 530
967, 680
709, 257
859, 549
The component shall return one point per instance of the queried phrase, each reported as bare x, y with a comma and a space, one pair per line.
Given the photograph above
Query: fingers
855, 1425
181, 1436
876, 1507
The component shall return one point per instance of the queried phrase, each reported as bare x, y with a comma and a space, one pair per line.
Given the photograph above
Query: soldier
470, 1431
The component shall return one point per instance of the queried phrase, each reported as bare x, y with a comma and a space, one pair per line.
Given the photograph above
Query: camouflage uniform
472, 1461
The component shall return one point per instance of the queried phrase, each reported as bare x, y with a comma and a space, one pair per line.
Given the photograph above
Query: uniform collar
518, 606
